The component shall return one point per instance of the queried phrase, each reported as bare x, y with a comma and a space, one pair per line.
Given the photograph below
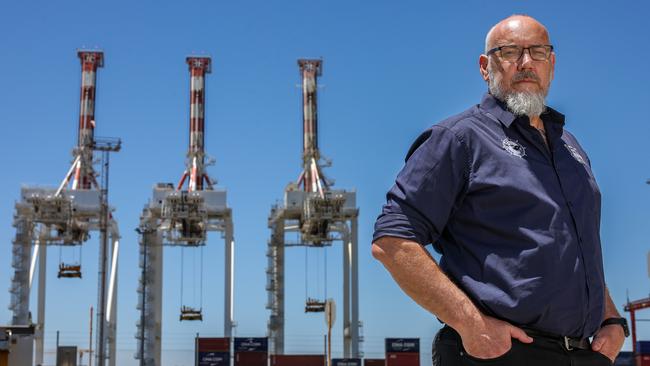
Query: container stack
65, 356
643, 353
402, 351
374, 362
346, 362
212, 351
298, 360
251, 351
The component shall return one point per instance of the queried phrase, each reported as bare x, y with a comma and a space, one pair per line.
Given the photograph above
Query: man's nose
525, 61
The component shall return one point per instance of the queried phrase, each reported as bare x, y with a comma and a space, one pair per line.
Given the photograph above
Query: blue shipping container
213, 359
251, 344
402, 345
643, 347
346, 362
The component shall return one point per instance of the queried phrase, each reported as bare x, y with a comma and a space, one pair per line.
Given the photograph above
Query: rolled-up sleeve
427, 189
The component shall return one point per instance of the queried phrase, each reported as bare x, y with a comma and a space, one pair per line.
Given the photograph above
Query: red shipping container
213, 344
643, 360
297, 360
251, 359
402, 359
374, 362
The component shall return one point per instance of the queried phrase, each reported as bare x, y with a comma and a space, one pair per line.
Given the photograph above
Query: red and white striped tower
84, 174
199, 66
311, 175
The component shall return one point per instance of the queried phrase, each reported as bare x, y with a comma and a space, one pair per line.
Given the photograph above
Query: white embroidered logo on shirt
513, 147
576, 155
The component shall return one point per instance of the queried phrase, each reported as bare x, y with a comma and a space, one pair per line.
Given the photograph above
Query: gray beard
519, 103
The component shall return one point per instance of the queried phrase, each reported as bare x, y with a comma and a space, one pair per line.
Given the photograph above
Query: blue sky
391, 69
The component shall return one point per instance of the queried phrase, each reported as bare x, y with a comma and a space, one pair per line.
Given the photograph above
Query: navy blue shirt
517, 223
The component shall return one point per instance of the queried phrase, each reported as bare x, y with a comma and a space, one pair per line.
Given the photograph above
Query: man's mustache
525, 75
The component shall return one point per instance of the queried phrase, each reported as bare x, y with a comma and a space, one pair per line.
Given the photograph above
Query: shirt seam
474, 117
467, 170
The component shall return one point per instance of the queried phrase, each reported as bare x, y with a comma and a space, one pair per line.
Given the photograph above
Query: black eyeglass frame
523, 49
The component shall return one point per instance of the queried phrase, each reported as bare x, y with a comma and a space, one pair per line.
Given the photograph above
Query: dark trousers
448, 351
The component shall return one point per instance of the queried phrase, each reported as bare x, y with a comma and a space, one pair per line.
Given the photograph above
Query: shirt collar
498, 110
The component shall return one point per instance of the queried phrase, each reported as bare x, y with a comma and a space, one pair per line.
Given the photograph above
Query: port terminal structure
182, 215
64, 217
632, 307
320, 215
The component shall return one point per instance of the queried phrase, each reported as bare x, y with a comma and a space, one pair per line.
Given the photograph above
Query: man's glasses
514, 53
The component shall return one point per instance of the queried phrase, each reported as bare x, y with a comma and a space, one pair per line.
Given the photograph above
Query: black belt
569, 343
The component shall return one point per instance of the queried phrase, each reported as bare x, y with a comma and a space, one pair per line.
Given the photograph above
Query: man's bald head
512, 25
522, 83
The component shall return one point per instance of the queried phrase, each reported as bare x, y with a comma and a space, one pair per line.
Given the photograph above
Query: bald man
506, 195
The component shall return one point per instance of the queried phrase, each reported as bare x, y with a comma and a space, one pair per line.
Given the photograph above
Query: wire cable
325, 281
193, 277
201, 281
317, 272
182, 261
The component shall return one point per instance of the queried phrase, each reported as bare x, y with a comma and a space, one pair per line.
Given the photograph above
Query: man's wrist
471, 320
622, 322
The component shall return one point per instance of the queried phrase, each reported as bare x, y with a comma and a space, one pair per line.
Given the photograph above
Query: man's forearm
610, 307
420, 277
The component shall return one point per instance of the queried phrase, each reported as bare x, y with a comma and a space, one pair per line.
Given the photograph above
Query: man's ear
552, 65
483, 66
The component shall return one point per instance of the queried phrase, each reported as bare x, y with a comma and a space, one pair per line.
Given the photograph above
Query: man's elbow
378, 252
386, 248
390, 249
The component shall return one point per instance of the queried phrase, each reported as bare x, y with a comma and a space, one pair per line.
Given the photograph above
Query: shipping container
213, 344
402, 359
643, 347
66, 356
642, 360
213, 359
399, 345
251, 344
298, 360
251, 359
374, 362
625, 359
346, 362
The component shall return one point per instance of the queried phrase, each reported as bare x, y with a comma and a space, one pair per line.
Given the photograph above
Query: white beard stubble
529, 104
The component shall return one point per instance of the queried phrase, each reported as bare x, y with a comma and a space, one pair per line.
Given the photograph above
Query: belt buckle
567, 345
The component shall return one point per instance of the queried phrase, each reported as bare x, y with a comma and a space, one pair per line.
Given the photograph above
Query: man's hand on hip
609, 341
490, 337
